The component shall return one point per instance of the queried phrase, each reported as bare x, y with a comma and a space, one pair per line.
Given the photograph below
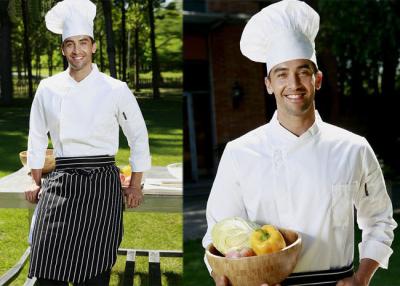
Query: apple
233, 254
246, 252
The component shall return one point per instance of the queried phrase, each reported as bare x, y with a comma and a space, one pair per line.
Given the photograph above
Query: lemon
126, 171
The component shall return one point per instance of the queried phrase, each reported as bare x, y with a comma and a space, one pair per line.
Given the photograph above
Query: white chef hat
281, 32
71, 18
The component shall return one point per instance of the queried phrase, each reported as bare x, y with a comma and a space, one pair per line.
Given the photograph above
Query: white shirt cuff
35, 161
375, 250
140, 164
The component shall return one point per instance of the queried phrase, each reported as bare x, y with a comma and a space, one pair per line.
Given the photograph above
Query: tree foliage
362, 38
44, 46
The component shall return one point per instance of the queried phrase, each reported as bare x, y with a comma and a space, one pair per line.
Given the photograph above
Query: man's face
78, 50
294, 83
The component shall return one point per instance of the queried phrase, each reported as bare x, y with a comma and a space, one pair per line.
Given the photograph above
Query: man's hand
223, 281
32, 194
134, 196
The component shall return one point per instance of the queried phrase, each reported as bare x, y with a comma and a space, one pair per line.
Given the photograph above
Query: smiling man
79, 225
298, 172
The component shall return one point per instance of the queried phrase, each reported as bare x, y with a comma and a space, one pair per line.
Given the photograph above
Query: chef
79, 215
297, 171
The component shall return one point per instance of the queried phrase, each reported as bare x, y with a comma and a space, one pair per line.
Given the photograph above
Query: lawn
142, 230
196, 273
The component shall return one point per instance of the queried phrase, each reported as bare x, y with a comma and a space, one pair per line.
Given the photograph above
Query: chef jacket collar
288, 136
88, 79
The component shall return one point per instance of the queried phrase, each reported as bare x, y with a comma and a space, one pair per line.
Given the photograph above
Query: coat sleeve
37, 139
374, 212
225, 198
133, 125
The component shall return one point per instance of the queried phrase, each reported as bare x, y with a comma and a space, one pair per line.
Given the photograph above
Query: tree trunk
123, 40
137, 59
128, 57
6, 91
390, 61
110, 37
154, 57
19, 68
101, 52
38, 67
50, 60
119, 61
27, 48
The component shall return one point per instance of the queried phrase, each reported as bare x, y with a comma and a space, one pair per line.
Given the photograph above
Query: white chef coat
309, 184
83, 118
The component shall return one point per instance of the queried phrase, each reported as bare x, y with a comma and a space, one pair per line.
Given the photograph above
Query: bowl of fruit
250, 254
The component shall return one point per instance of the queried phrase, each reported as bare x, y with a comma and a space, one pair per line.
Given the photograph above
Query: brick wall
229, 65
233, 6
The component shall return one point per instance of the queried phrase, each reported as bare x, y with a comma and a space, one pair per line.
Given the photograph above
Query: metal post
192, 135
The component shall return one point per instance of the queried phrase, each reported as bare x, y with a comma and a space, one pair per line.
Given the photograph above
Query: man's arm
131, 120
374, 218
32, 194
37, 144
226, 188
366, 270
38, 129
363, 275
133, 193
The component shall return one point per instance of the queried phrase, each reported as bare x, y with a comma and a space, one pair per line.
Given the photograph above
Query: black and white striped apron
323, 278
79, 226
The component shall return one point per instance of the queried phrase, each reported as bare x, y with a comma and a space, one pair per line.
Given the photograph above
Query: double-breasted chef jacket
310, 184
83, 117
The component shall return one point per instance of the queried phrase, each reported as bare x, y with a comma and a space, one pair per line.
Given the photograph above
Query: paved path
195, 202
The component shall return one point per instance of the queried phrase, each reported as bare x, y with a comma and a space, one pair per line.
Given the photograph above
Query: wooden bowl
254, 270
49, 162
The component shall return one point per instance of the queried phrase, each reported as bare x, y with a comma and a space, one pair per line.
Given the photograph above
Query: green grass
196, 273
148, 75
142, 230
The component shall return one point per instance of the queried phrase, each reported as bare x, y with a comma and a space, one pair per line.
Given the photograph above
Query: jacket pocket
342, 204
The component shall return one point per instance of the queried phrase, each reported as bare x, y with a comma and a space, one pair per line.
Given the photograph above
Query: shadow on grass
173, 279
14, 122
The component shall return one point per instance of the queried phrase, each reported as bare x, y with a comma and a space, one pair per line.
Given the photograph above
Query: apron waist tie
84, 162
324, 277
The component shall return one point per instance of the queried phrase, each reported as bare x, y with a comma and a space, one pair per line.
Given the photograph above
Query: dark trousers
103, 279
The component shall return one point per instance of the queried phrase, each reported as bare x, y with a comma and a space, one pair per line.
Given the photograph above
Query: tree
109, 36
123, 39
5, 54
27, 50
364, 37
155, 66
137, 24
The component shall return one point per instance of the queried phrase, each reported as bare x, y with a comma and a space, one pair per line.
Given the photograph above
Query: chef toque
71, 18
281, 32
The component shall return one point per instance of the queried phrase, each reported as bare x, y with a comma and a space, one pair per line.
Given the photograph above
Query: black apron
79, 225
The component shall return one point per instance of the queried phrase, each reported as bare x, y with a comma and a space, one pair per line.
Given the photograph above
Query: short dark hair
91, 40
267, 75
